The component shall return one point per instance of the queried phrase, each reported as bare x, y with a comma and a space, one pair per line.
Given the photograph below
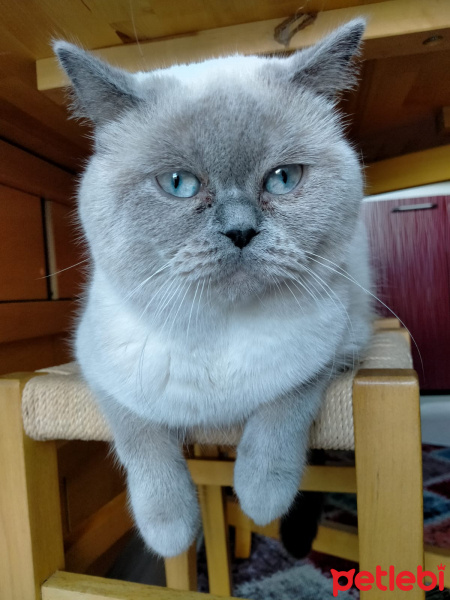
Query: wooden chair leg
389, 474
215, 530
31, 543
181, 571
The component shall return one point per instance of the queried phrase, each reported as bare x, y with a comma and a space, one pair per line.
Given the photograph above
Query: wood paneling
410, 170
395, 109
31, 133
24, 320
34, 353
23, 171
139, 21
33, 329
37, 22
22, 264
410, 258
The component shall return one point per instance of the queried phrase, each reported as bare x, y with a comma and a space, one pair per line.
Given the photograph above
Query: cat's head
224, 173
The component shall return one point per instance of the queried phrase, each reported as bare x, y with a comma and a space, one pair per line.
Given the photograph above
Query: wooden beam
338, 540
24, 320
236, 518
315, 479
71, 586
390, 22
181, 570
211, 472
98, 533
408, 170
329, 479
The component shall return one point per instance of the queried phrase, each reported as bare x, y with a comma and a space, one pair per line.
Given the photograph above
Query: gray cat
221, 208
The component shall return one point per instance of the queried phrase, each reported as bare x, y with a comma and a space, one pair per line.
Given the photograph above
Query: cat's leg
272, 453
162, 495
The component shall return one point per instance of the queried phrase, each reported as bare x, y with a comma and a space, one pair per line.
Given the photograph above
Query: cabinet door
409, 248
67, 253
22, 251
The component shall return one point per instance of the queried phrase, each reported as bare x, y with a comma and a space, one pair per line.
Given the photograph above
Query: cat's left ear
327, 66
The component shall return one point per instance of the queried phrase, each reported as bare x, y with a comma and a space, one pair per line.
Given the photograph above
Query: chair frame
387, 479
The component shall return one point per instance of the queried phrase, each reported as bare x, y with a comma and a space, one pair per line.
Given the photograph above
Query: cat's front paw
265, 491
168, 525
172, 537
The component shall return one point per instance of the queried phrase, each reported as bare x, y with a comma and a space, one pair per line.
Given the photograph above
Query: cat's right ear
100, 92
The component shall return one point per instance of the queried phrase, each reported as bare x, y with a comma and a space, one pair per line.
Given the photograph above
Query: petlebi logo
387, 580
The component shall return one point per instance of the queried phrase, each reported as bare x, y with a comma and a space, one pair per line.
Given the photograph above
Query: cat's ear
100, 92
327, 66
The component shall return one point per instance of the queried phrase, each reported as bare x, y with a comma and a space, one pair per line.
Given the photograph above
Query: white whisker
208, 292
164, 290
323, 283
347, 275
176, 294
199, 302
62, 270
295, 297
167, 298
297, 283
192, 307
179, 307
128, 296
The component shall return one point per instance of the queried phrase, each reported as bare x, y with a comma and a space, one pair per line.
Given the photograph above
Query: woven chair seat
60, 406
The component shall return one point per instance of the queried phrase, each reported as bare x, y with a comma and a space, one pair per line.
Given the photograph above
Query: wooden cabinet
409, 241
22, 250
36, 238
67, 257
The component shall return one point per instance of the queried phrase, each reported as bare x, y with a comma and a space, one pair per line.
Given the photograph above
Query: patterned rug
271, 574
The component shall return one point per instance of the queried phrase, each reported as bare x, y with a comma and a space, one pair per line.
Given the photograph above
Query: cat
220, 208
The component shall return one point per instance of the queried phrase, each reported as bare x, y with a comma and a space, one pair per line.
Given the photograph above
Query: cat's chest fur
216, 373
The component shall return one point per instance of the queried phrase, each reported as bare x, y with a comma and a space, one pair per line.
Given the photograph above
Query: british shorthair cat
221, 211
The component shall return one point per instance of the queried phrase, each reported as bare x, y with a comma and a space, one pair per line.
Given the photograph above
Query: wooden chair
387, 479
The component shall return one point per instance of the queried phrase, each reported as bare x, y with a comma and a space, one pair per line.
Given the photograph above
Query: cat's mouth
240, 279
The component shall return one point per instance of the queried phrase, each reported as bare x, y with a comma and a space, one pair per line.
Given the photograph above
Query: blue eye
283, 179
179, 183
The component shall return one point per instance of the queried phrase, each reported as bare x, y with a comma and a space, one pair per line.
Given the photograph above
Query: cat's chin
240, 286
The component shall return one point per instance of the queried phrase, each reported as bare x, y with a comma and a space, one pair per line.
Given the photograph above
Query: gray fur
182, 329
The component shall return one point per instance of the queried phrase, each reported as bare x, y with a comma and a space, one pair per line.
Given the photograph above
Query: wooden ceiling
399, 106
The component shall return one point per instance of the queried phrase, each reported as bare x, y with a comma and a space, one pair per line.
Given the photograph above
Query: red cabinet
409, 241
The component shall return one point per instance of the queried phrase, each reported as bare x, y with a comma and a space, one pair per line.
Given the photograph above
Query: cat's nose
241, 237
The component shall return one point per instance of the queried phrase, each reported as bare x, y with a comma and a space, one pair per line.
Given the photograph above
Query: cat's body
232, 359
229, 306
